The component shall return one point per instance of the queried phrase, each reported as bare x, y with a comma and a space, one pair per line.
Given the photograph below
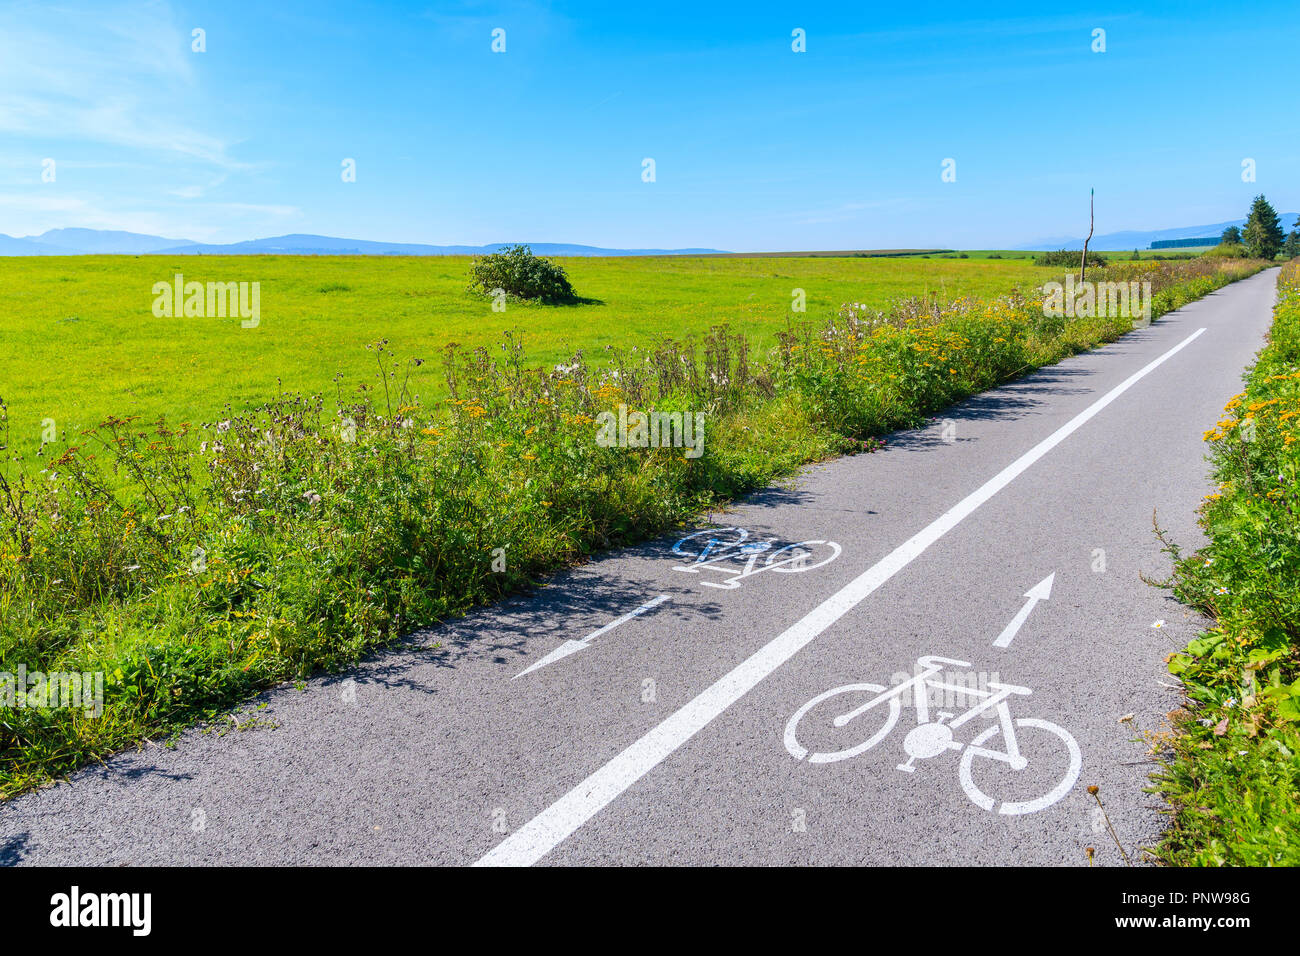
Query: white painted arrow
1039, 592
572, 647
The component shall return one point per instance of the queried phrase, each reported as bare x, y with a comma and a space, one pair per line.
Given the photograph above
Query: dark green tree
1263, 233
1231, 236
1291, 248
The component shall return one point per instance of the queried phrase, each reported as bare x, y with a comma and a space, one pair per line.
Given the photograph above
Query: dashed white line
549, 828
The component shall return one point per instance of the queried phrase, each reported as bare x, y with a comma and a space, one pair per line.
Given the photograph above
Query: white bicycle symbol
715, 549
930, 738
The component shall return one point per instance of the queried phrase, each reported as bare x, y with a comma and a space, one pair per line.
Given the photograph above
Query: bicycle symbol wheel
975, 749
803, 556
701, 544
890, 714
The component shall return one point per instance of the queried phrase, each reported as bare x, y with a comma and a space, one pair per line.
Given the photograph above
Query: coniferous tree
1263, 234
1291, 248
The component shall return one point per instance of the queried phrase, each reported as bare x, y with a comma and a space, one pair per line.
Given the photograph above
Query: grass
1233, 774
80, 340
192, 564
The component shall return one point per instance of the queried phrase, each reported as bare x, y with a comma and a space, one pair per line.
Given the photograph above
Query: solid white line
545, 831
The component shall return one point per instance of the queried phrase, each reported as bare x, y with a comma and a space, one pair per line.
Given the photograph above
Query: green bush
1229, 250
520, 275
1067, 258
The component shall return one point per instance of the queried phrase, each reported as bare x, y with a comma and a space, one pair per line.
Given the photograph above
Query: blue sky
755, 146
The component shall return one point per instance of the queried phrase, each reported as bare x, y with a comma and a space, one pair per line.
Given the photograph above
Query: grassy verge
192, 565
1233, 778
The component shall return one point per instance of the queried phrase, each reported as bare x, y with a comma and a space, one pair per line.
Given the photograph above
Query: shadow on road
589, 594
1012, 401
14, 849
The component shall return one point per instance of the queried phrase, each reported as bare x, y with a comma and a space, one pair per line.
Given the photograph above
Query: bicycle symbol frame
932, 737
720, 550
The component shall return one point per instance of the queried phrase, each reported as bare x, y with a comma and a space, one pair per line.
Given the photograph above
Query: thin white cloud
844, 212
258, 209
32, 213
34, 202
117, 75
99, 85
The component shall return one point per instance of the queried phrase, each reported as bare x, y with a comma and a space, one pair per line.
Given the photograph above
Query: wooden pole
1083, 263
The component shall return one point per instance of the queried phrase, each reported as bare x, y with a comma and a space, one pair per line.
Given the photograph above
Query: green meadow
80, 341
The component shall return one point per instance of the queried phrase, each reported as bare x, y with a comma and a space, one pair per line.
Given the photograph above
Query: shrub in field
192, 565
1229, 250
520, 274
1067, 258
1233, 776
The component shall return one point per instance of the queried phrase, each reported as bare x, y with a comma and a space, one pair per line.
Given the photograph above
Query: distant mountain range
76, 242
1143, 240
